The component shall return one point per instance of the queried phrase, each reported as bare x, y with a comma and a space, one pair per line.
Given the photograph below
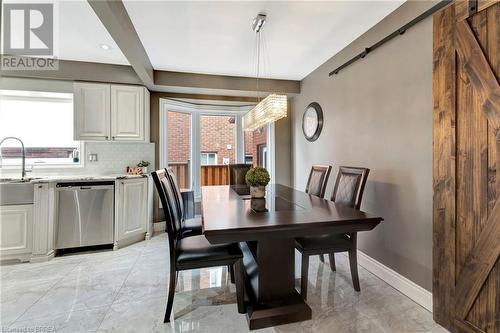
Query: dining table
266, 230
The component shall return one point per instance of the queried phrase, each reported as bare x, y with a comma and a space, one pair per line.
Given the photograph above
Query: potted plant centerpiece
257, 178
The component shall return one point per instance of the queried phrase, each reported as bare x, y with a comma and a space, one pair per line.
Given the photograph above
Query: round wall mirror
312, 121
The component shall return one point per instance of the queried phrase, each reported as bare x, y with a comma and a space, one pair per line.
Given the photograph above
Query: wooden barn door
466, 166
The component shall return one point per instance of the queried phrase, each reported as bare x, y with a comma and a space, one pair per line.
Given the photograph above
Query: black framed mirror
312, 121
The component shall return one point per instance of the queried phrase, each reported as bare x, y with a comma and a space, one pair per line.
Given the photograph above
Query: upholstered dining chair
237, 173
193, 252
189, 227
348, 190
318, 179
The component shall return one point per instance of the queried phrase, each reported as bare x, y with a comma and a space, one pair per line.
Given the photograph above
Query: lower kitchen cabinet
16, 230
43, 222
131, 210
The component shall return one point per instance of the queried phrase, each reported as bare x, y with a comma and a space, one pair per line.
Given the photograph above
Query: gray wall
378, 114
282, 142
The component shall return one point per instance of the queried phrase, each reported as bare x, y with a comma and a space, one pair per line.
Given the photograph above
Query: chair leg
331, 257
353, 262
304, 275
322, 258
231, 272
240, 285
171, 293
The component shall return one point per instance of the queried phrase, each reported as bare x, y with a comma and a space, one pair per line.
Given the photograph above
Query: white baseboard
159, 227
396, 280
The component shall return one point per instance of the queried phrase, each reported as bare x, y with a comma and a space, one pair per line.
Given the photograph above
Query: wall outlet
229, 147
92, 157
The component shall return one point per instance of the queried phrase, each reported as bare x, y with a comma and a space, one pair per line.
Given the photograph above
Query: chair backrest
177, 193
162, 185
349, 186
318, 179
167, 198
237, 173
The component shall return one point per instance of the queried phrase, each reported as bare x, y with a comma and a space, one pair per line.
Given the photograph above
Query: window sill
31, 167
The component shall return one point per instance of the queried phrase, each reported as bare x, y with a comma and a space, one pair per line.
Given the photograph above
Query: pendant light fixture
274, 106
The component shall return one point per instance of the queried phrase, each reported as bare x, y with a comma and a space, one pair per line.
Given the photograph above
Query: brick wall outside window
216, 133
258, 138
178, 133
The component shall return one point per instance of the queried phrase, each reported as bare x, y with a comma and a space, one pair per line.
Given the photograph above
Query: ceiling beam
116, 20
164, 81
193, 81
78, 71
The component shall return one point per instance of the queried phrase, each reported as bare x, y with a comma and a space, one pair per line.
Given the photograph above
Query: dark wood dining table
267, 239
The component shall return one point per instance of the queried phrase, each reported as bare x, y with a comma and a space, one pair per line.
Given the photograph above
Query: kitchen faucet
23, 172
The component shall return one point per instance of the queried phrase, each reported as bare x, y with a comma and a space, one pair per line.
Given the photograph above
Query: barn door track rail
440, 5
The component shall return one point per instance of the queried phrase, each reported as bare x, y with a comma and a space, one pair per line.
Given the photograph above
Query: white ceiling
81, 33
215, 37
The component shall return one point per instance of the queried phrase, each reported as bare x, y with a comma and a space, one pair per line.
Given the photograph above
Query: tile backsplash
115, 157
112, 158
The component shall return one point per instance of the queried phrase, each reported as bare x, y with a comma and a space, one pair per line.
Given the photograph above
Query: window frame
196, 109
32, 163
208, 157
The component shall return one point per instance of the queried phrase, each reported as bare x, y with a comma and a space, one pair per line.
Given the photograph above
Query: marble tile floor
125, 291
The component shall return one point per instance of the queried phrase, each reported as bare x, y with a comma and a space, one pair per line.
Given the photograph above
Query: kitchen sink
16, 192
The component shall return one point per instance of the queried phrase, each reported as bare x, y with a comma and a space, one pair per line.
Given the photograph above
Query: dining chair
348, 190
237, 173
189, 227
318, 179
193, 252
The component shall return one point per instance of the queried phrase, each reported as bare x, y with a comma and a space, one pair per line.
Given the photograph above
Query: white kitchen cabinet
43, 222
127, 113
92, 113
107, 112
131, 210
16, 232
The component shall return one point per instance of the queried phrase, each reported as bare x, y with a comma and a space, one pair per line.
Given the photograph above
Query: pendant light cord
258, 63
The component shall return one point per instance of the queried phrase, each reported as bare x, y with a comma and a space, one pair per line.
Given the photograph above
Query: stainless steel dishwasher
85, 213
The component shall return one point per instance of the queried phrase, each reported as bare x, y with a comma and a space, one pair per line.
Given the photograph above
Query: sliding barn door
467, 166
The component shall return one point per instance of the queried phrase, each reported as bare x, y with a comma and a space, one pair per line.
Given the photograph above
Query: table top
228, 216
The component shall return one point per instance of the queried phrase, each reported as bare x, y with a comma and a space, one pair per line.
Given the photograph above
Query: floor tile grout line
51, 287
58, 280
84, 260
118, 291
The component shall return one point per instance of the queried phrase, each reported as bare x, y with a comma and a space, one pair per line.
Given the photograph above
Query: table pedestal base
270, 284
262, 316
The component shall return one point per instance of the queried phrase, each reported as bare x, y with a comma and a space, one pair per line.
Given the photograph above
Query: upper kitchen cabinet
106, 112
92, 111
127, 113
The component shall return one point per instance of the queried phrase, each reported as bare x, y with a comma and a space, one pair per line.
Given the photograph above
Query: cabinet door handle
113, 137
106, 137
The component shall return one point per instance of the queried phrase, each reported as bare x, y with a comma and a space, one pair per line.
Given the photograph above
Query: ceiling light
258, 22
274, 106
270, 109
105, 47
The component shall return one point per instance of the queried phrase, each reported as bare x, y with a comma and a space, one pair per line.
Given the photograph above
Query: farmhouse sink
16, 192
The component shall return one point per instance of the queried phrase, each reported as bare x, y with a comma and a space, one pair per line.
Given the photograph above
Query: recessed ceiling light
105, 46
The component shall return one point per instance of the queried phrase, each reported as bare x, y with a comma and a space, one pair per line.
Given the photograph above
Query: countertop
55, 178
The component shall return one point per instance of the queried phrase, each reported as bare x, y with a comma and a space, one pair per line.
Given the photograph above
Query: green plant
257, 177
143, 164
